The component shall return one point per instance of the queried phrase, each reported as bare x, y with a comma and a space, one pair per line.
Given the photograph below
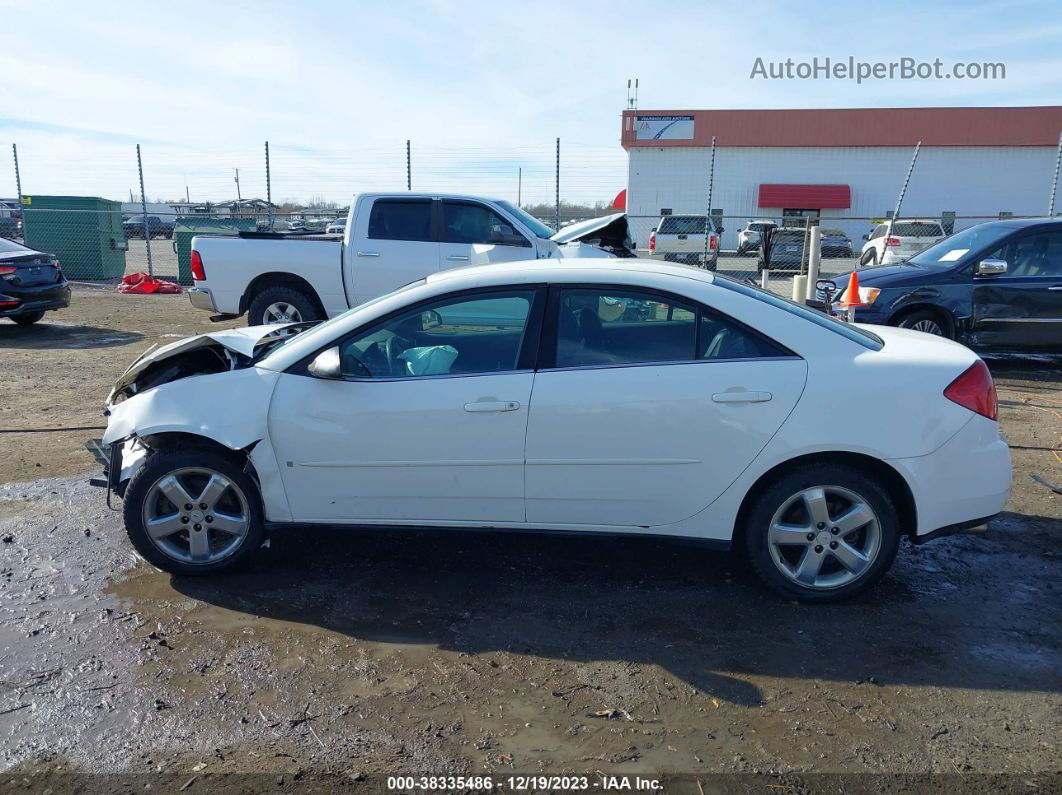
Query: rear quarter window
857, 335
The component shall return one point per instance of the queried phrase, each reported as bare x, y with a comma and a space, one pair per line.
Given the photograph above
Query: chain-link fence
92, 213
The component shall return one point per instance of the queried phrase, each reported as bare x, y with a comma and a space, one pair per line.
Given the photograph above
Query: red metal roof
809, 197
1013, 126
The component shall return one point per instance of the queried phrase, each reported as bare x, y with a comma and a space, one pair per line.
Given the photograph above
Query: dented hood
239, 341
614, 226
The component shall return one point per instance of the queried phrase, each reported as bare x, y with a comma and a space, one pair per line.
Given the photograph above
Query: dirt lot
368, 653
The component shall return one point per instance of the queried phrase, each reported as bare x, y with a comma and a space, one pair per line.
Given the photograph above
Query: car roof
570, 269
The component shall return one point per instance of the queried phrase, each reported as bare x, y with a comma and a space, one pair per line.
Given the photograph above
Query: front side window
609, 327
476, 224
1037, 254
400, 220
477, 333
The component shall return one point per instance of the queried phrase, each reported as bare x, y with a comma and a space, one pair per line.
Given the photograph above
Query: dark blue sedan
996, 286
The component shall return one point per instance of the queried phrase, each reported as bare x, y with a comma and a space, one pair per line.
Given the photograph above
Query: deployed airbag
429, 359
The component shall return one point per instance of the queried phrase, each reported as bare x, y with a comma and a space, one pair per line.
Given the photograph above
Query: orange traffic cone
851, 299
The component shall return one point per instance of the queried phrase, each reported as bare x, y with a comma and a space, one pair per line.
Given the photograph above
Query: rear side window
682, 225
400, 220
608, 327
917, 229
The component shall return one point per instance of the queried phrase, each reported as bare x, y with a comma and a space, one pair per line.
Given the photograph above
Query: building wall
969, 180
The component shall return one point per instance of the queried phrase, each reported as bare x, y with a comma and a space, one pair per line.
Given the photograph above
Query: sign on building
664, 128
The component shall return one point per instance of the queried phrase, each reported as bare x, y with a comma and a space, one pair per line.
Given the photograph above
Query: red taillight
7, 270
9, 303
713, 242
198, 273
975, 391
892, 241
652, 241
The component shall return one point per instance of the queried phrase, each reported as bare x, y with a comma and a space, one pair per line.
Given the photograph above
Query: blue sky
481, 88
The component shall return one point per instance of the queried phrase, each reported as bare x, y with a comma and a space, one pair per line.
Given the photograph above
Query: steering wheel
392, 349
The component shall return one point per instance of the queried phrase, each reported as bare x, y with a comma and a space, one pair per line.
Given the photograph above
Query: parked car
133, 226
336, 227
297, 225
31, 283
835, 243
997, 285
894, 241
393, 239
559, 410
680, 238
750, 238
784, 251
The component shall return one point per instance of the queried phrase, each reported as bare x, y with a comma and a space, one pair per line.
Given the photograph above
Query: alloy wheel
929, 327
824, 537
282, 312
196, 515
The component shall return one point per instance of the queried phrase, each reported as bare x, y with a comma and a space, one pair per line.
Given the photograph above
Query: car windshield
760, 227
917, 229
532, 223
682, 225
833, 232
950, 250
11, 247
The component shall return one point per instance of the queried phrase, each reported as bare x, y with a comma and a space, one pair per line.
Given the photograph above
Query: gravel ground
367, 653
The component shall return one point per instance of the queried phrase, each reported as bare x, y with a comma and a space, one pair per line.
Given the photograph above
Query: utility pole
708, 212
239, 198
269, 189
18, 177
409, 166
143, 208
1050, 202
558, 186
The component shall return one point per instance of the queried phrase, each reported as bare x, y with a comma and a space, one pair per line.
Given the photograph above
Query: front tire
282, 305
28, 319
927, 321
822, 533
193, 512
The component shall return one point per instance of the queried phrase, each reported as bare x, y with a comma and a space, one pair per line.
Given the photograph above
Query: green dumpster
188, 226
84, 232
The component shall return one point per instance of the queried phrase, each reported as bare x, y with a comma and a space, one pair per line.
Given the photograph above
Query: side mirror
991, 267
866, 237
503, 235
326, 365
430, 319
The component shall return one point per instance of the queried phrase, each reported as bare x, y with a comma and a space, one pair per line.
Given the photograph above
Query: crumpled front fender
229, 408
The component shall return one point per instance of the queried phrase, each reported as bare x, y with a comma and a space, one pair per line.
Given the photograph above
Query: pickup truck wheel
193, 511
281, 305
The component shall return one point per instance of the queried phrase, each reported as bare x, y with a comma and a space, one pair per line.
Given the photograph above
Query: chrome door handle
368, 253
457, 258
481, 406
741, 397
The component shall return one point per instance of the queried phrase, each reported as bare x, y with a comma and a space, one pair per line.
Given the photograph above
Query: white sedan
619, 396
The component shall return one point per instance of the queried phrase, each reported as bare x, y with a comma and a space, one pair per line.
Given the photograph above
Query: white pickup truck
389, 240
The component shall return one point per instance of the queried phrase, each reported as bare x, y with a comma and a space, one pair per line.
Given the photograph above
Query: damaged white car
617, 396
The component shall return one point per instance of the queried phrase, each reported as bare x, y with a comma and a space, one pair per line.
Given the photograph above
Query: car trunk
29, 270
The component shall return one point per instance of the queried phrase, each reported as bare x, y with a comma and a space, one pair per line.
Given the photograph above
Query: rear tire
925, 320
790, 538
147, 500
28, 319
282, 305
